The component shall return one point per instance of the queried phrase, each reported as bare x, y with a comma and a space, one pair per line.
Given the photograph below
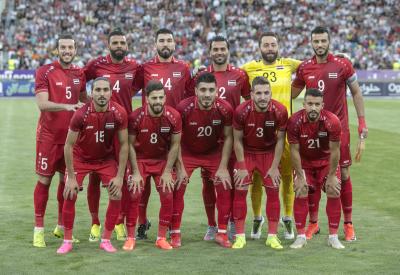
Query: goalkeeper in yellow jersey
279, 72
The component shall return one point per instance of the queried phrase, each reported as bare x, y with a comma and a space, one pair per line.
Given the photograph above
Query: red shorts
231, 166
261, 163
316, 177
106, 170
345, 155
208, 163
49, 158
152, 168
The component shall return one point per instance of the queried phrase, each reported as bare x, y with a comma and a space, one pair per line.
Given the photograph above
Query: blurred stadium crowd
368, 30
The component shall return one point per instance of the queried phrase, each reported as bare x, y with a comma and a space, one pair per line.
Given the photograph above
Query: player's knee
330, 193
302, 193
345, 174
45, 180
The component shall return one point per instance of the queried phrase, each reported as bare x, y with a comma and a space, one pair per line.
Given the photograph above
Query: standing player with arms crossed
154, 138
59, 87
122, 74
259, 137
314, 137
331, 75
89, 148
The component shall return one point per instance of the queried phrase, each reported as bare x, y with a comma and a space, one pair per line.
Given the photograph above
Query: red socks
40, 198
333, 212
313, 204
209, 200
240, 210
300, 214
178, 206
346, 197
132, 213
223, 205
60, 199
144, 201
93, 197
68, 215
272, 209
114, 207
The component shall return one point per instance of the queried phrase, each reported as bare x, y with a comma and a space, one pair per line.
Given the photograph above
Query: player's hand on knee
135, 182
300, 187
115, 187
240, 176
167, 182
181, 177
71, 188
332, 186
275, 176
222, 175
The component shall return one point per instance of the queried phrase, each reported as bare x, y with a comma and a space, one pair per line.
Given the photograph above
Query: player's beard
264, 105
269, 57
165, 52
118, 54
322, 54
206, 102
66, 62
157, 108
101, 101
220, 60
313, 115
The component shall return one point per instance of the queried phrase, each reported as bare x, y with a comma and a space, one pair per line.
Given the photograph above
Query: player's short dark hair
164, 31
313, 92
259, 80
206, 77
65, 36
320, 30
219, 38
115, 32
100, 78
153, 85
264, 34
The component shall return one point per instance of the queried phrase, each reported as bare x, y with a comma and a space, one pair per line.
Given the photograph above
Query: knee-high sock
60, 200
313, 204
165, 214
40, 198
93, 197
68, 214
113, 210
209, 200
256, 194
132, 213
178, 206
287, 194
124, 204
272, 209
223, 206
240, 210
333, 212
346, 196
300, 214
144, 201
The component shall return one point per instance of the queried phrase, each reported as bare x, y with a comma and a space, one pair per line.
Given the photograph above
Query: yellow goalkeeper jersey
279, 75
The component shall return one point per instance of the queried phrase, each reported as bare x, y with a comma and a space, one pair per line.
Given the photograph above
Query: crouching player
259, 136
314, 137
154, 138
89, 149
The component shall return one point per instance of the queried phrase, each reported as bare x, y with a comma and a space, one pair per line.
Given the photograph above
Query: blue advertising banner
17, 83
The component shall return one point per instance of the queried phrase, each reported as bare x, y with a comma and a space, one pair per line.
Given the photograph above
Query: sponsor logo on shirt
165, 129
311, 77
270, 123
106, 75
193, 123
154, 75
303, 136
251, 125
128, 76
216, 122
231, 82
89, 127
280, 67
144, 130
76, 81
322, 134
176, 74
58, 83
109, 125
332, 75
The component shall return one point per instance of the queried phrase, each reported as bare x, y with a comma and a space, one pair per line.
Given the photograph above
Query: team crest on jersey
311, 77
144, 130
216, 122
303, 136
154, 75
251, 125
332, 75
128, 76
76, 81
231, 82
58, 83
176, 74
106, 75
165, 129
322, 134
89, 127
109, 125
280, 67
270, 123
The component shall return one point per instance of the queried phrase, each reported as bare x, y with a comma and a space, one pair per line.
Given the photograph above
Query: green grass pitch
376, 216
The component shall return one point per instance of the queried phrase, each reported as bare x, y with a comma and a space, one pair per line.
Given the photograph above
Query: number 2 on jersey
221, 92
313, 143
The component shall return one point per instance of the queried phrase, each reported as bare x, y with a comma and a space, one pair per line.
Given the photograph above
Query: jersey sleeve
76, 123
227, 113
139, 79
132, 124
299, 80
334, 128
292, 131
90, 70
238, 119
122, 119
41, 81
177, 126
245, 89
189, 83
349, 74
282, 118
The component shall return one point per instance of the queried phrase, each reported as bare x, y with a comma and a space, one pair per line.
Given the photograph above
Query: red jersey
123, 78
174, 75
330, 78
97, 131
313, 137
202, 129
260, 128
153, 134
63, 86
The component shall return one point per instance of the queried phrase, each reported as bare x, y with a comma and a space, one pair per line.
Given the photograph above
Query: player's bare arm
44, 104
299, 185
332, 185
182, 176
273, 172
116, 183
136, 182
296, 91
71, 185
222, 173
166, 178
241, 172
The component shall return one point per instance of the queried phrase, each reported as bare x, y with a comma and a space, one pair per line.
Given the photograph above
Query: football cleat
288, 233
210, 234
312, 229
300, 242
334, 242
59, 233
119, 230
232, 231
142, 229
65, 248
38, 238
222, 240
273, 242
349, 235
94, 235
240, 242
129, 244
257, 228
162, 243
176, 240
107, 246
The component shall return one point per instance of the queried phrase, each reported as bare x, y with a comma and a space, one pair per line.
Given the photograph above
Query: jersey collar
109, 60
211, 68
329, 58
157, 59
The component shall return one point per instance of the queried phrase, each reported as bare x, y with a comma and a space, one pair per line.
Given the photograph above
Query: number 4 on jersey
167, 83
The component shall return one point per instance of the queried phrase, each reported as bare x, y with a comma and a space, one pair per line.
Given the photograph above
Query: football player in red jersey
154, 138
59, 88
206, 120
122, 73
259, 136
175, 75
332, 75
89, 148
314, 137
